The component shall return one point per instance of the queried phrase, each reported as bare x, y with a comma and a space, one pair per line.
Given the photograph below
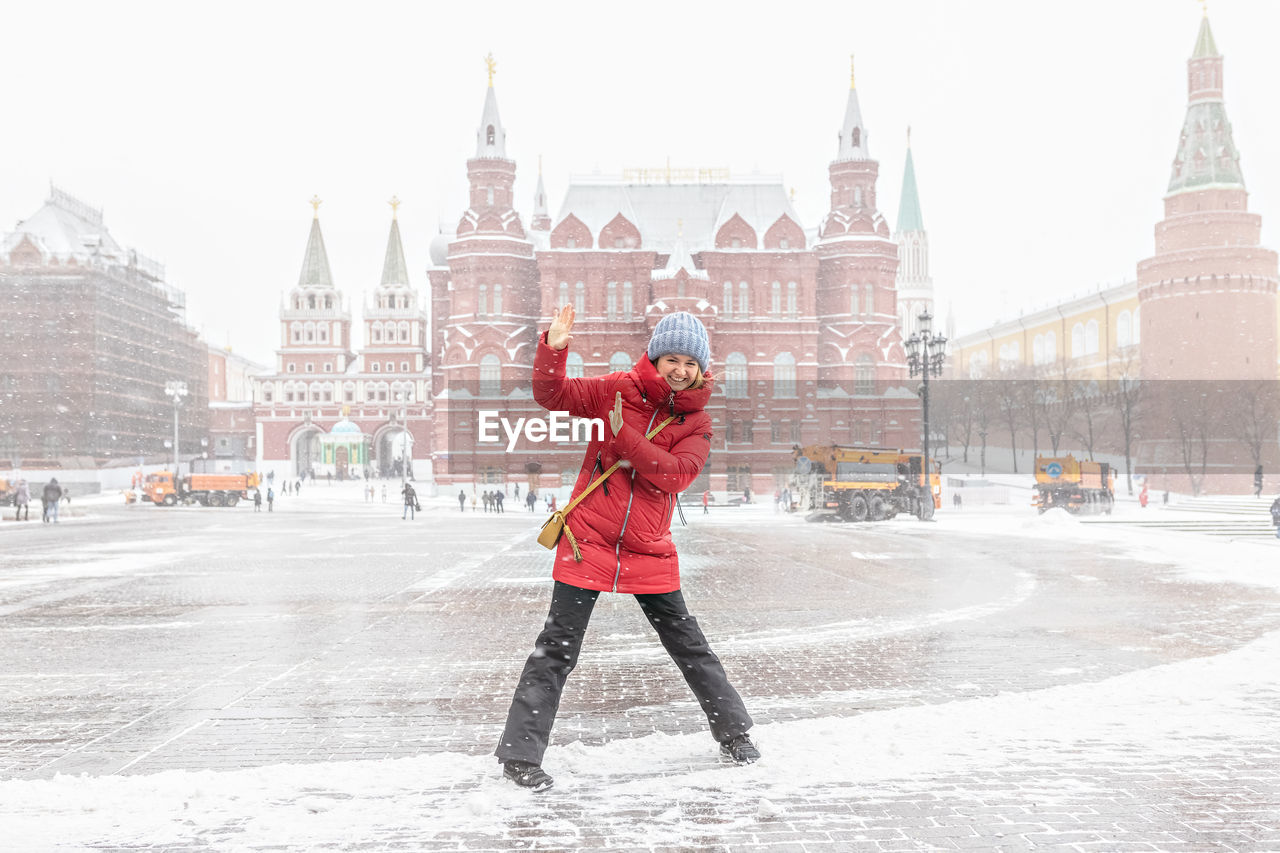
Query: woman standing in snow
622, 531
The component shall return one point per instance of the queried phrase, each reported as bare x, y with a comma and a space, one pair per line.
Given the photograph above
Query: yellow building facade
1096, 336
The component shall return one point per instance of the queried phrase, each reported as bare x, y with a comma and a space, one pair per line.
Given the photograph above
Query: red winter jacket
624, 534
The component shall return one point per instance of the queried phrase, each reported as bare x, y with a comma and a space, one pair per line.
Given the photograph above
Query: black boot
526, 774
740, 750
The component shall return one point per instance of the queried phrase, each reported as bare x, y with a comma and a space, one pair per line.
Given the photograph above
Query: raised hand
615, 414
561, 330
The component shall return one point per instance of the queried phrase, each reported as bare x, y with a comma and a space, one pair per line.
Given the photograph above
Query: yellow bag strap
614, 467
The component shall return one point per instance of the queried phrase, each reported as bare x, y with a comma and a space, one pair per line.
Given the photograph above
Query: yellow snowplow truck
867, 483
1078, 487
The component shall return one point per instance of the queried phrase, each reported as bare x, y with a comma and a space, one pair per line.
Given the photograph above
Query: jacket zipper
617, 547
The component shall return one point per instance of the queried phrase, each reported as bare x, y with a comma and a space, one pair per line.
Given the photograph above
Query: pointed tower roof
394, 269
853, 133
909, 215
540, 198
1207, 154
315, 262
1205, 45
491, 139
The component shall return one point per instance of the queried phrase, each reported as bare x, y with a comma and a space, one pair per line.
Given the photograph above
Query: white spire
491, 139
853, 133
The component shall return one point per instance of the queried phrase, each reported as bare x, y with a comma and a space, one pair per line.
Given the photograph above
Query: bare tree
1088, 403
1059, 409
1128, 399
1008, 397
1249, 415
1193, 413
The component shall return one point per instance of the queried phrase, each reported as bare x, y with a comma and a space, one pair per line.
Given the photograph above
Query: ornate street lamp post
925, 352
175, 391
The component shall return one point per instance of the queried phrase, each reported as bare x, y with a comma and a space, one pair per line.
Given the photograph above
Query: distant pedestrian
746, 495
22, 502
1166, 497
517, 491
499, 498
1142, 496
462, 500
271, 499
257, 500
485, 499
473, 499
384, 492
531, 499
410, 502
297, 486
285, 489
706, 501
1275, 512
1257, 482
271, 476
777, 500
956, 501
786, 500
328, 476
50, 495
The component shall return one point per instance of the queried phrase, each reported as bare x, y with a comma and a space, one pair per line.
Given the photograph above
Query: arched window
611, 301
744, 301
295, 332
784, 375
404, 327
1077, 340
857, 191
793, 306
564, 294
857, 137
489, 135
853, 300
266, 393
775, 298
869, 300
376, 332
311, 300
1137, 325
978, 363
309, 332
375, 367
573, 368
1037, 350
726, 309
580, 297
735, 375
864, 375
1050, 348
497, 300
328, 302
1091, 337
1124, 329
626, 300
619, 362
482, 301
490, 376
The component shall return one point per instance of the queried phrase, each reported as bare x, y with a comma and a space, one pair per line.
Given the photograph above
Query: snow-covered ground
658, 791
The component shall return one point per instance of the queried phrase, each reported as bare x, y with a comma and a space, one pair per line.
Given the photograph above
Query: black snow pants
537, 696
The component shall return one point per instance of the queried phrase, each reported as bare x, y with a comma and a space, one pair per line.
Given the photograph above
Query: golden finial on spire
315, 206
793, 193
492, 65
851, 86
680, 229
395, 203
1204, 7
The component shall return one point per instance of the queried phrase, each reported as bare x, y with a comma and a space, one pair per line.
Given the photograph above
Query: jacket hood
655, 390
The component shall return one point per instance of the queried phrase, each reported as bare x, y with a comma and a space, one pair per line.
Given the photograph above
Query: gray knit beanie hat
681, 334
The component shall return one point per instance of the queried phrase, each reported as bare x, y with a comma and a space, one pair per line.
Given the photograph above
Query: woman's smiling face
680, 371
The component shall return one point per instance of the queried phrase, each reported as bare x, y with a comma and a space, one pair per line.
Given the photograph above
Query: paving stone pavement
139, 640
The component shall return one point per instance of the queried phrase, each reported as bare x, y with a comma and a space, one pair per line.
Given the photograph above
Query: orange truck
868, 483
205, 489
1079, 487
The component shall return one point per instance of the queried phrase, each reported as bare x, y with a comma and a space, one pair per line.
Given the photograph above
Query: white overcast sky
1043, 131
